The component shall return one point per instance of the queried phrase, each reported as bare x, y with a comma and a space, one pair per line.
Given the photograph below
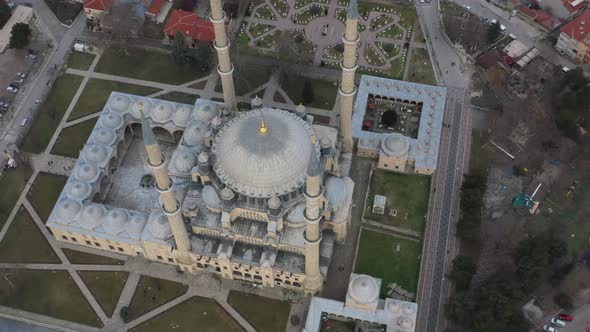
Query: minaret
313, 235
349, 65
170, 205
225, 68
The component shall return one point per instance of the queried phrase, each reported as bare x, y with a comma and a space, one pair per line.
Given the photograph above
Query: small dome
184, 161
92, 215
115, 220
145, 104
296, 215
136, 223
211, 198
203, 158
159, 227
408, 309
104, 136
335, 191
256, 102
112, 121
216, 122
363, 289
393, 306
87, 173
181, 115
274, 202
79, 190
227, 194
162, 113
206, 112
405, 322
395, 145
119, 103
66, 210
96, 154
300, 109
325, 142
196, 133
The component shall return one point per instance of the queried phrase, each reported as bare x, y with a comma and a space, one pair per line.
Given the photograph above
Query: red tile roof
155, 7
574, 5
103, 5
541, 16
189, 24
579, 27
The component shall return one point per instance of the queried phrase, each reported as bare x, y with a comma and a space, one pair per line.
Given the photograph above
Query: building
96, 9
191, 26
573, 38
363, 307
154, 9
21, 14
413, 146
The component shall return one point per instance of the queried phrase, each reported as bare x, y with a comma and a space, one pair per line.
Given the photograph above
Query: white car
467, 7
549, 328
12, 89
557, 322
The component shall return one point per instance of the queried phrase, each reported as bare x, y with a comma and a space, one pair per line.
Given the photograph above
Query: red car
565, 317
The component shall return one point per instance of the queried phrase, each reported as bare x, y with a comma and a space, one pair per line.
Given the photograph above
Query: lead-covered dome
263, 163
363, 289
66, 210
79, 190
104, 136
395, 145
162, 113
120, 103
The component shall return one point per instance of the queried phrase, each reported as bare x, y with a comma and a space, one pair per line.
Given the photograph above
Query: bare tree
119, 25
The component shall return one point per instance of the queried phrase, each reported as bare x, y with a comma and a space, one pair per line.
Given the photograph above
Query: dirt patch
65, 10
464, 28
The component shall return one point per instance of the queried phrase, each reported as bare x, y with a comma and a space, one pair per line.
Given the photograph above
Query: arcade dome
363, 289
395, 145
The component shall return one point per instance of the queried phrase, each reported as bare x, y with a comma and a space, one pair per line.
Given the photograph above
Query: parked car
557, 322
565, 317
484, 19
21, 75
548, 328
19, 81
24, 122
467, 7
11, 88
32, 54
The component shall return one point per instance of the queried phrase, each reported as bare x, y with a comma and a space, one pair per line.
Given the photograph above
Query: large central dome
262, 163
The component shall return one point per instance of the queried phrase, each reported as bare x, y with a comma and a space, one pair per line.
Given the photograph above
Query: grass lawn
265, 315
148, 65
195, 314
51, 113
50, 293
180, 97
378, 257
248, 78
420, 67
12, 182
105, 286
97, 92
404, 9
478, 157
80, 257
72, 139
152, 293
80, 60
324, 91
406, 193
45, 192
24, 242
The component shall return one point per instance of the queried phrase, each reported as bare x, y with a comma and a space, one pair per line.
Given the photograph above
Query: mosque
260, 195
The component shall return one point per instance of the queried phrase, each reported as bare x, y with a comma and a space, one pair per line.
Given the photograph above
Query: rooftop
102, 5
579, 27
189, 24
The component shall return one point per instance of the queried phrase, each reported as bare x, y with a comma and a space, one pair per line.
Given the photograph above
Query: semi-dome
184, 161
92, 215
162, 112
363, 289
181, 115
115, 220
136, 223
104, 136
119, 103
206, 112
94, 153
159, 227
263, 160
256, 102
196, 133
335, 191
78, 190
211, 198
86, 173
112, 121
146, 106
395, 145
66, 210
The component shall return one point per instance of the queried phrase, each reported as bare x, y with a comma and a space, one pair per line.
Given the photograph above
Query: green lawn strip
24, 242
378, 257
179, 97
12, 182
50, 113
248, 78
265, 315
44, 193
406, 193
46, 292
195, 314
421, 70
97, 92
72, 139
80, 60
80, 257
106, 287
148, 65
406, 11
152, 293
324, 91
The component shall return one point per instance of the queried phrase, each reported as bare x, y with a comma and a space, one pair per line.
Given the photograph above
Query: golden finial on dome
263, 130
314, 139
140, 106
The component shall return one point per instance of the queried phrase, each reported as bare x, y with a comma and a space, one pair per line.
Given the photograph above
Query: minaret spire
349, 65
225, 67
